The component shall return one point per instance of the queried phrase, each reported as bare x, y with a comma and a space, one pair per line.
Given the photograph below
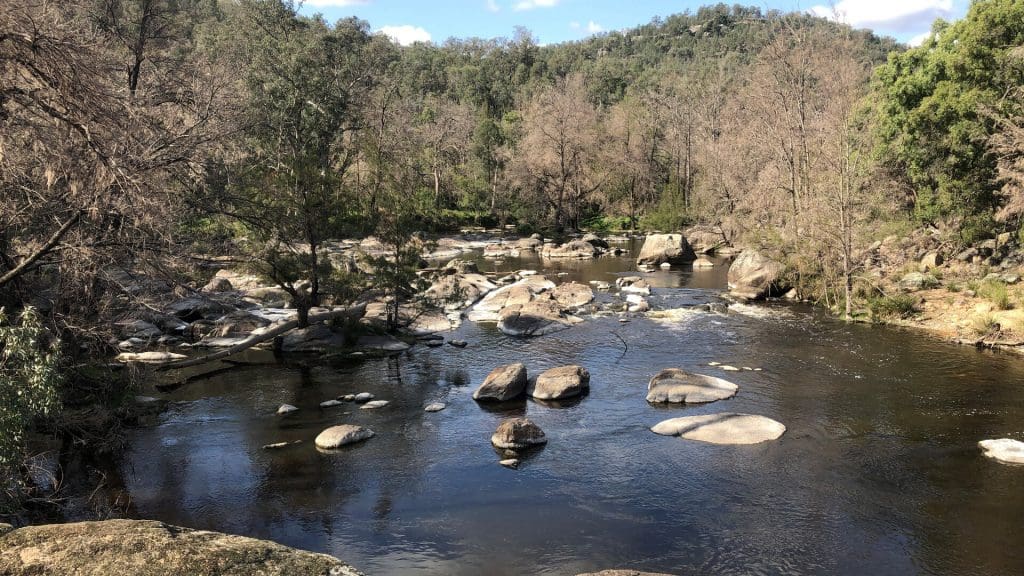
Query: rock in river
727, 428
148, 547
675, 385
671, 248
434, 407
573, 295
286, 409
517, 433
753, 275
1004, 450
535, 318
341, 435
503, 383
558, 383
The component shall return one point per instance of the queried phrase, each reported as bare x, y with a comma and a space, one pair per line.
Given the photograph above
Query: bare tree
87, 177
561, 131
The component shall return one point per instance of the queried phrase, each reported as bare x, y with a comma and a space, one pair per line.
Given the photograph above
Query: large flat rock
150, 548
727, 428
1004, 450
678, 386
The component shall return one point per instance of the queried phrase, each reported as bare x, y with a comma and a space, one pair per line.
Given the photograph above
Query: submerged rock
1004, 450
503, 383
510, 463
372, 404
678, 386
150, 548
286, 409
726, 428
518, 433
559, 383
362, 397
434, 407
342, 435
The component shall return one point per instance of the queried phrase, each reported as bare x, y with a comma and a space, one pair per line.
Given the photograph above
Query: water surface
878, 473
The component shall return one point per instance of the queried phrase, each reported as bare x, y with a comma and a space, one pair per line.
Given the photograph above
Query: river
878, 473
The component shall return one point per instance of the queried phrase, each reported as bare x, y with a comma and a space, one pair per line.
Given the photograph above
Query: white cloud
891, 15
919, 39
592, 27
493, 6
405, 34
531, 4
334, 3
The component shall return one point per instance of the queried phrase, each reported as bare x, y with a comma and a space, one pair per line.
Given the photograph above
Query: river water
878, 473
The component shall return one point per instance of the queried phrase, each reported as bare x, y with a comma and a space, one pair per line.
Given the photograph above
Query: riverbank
970, 296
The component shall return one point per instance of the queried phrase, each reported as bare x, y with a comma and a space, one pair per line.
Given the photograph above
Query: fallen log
268, 333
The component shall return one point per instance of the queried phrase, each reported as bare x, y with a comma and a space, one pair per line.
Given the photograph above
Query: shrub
897, 306
997, 293
29, 379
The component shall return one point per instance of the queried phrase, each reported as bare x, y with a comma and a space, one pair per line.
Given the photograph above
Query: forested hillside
140, 139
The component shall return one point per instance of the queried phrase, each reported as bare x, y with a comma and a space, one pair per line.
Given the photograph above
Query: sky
554, 21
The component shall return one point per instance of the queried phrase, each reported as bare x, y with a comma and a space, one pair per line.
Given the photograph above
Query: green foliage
897, 306
931, 100
669, 215
604, 224
29, 380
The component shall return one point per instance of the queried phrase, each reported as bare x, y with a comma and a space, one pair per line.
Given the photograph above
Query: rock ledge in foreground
150, 548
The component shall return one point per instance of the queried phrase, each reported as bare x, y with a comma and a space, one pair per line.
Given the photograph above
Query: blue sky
553, 21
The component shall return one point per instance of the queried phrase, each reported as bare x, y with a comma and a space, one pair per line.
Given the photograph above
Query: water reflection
878, 472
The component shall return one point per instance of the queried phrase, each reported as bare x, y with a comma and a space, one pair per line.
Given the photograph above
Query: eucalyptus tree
304, 84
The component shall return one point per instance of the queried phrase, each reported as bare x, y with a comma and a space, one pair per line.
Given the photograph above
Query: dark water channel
878, 472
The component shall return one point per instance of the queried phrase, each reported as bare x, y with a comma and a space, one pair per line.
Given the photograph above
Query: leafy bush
29, 379
604, 224
897, 306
